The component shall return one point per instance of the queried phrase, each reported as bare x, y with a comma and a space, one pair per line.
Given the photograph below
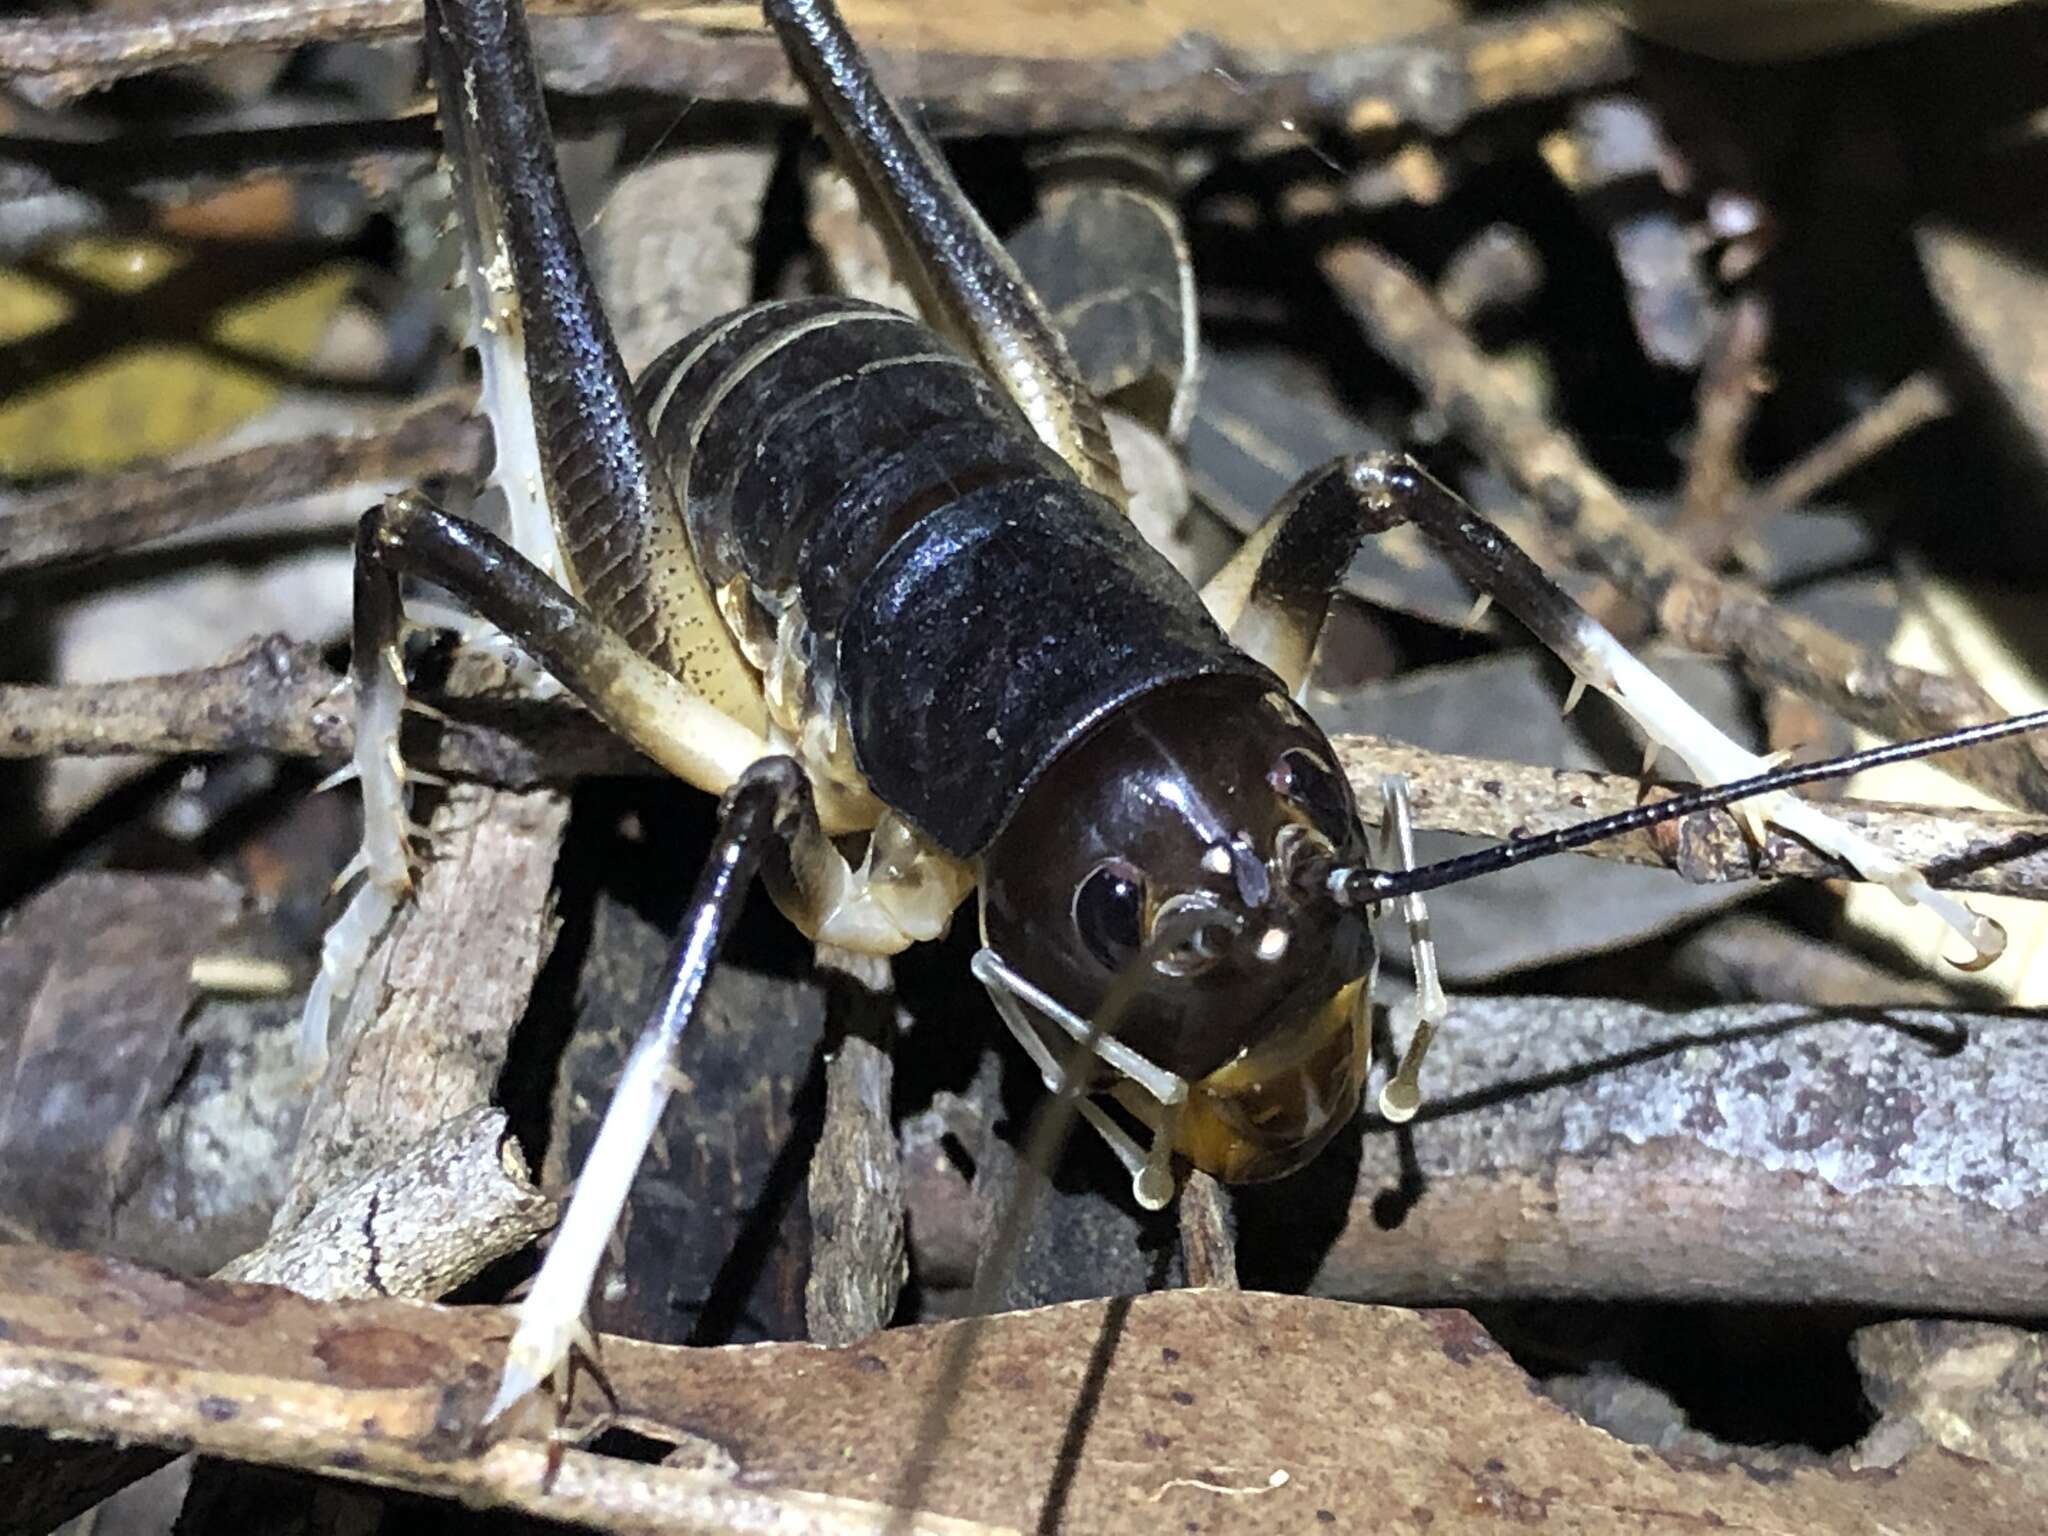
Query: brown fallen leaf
1229, 1411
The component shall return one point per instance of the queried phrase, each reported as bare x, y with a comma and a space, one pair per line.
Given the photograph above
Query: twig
1587, 1147
1208, 1251
858, 1262
419, 1225
1725, 402
113, 512
426, 1035
1753, 959
1497, 269
371, 1390
1915, 401
1435, 81
1694, 606
278, 696
1996, 852
272, 695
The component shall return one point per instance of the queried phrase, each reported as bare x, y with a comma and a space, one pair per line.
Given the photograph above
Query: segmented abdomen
962, 601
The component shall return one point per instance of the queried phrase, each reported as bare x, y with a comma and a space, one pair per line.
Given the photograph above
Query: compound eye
1109, 912
1308, 781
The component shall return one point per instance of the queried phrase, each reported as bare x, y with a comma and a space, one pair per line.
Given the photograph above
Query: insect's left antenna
1358, 885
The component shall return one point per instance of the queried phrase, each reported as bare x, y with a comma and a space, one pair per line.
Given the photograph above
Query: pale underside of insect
870, 579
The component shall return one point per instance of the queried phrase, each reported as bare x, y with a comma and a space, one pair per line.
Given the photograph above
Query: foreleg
1274, 593
764, 807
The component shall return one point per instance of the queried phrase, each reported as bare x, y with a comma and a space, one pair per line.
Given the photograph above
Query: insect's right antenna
1355, 885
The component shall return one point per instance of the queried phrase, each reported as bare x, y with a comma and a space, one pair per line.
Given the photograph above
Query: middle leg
764, 808
1273, 595
647, 706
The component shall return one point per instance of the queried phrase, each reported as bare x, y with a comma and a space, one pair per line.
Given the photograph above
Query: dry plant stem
278, 696
1725, 402
1150, 1412
858, 1262
114, 512
1762, 1153
256, 1374
272, 695
1208, 1251
419, 1225
1753, 959
1915, 401
1996, 852
1693, 606
426, 1034
1434, 81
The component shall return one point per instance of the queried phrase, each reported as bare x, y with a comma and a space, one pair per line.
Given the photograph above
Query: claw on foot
346, 774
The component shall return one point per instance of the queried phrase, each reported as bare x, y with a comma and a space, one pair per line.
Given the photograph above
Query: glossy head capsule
1162, 855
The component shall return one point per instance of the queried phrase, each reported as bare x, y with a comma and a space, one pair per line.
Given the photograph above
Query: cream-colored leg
1402, 1095
649, 708
1151, 1171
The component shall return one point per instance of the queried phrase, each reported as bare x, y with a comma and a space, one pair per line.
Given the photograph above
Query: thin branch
1207, 1244
1206, 1408
1996, 852
1779, 1153
1434, 80
858, 1259
1725, 401
435, 1003
1693, 605
272, 695
1918, 399
278, 696
419, 1225
1756, 959
112, 512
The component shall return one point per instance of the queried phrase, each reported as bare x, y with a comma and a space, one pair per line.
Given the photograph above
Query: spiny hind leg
966, 282
652, 710
1389, 489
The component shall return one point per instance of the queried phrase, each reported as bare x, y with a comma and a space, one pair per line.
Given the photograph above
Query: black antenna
1356, 885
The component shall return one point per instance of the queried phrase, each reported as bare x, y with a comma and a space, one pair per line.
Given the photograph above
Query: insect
871, 581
